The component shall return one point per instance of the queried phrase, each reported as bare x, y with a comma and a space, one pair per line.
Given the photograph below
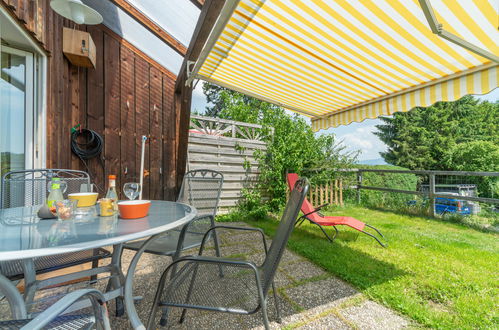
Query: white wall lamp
76, 11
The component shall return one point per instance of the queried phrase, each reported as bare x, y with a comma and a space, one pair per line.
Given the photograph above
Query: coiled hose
89, 149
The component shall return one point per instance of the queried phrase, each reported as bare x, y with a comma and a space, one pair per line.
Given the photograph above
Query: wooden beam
207, 18
198, 3
183, 94
151, 26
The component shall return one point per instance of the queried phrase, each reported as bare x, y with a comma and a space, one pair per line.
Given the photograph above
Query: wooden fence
228, 147
328, 193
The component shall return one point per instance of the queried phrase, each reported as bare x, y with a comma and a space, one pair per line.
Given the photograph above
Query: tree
477, 156
217, 96
423, 138
292, 146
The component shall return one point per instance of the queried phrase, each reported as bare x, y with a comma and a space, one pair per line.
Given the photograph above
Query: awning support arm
224, 17
438, 29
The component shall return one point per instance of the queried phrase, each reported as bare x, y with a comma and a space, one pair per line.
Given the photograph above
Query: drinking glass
131, 190
65, 209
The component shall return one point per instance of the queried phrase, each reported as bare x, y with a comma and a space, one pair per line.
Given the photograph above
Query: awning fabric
340, 61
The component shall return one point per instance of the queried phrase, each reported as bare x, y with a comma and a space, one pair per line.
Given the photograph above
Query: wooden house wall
126, 96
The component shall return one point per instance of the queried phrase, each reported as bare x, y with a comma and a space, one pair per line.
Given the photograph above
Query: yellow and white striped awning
340, 61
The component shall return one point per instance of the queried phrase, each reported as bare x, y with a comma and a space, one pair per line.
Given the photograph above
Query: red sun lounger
312, 214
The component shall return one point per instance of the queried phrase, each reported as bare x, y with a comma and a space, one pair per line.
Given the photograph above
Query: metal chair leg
191, 286
377, 240
380, 234
155, 305
327, 236
95, 264
30, 284
114, 282
263, 305
217, 246
277, 308
299, 221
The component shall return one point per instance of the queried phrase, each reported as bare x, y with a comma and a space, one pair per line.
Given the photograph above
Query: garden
437, 271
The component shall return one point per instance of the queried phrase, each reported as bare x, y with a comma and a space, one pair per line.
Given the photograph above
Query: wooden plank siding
219, 153
142, 118
112, 109
156, 131
95, 103
127, 95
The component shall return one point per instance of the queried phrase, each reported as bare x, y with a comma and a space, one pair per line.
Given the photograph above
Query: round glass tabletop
23, 235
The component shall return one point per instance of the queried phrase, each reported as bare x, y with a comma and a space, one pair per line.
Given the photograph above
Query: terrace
104, 91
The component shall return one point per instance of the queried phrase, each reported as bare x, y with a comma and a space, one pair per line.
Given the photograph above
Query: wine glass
131, 190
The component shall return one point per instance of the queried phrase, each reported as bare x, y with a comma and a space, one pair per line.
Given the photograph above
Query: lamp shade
76, 11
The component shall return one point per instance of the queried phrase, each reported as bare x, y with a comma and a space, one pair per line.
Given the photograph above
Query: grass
442, 275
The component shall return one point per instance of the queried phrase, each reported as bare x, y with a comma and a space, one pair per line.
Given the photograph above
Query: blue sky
356, 136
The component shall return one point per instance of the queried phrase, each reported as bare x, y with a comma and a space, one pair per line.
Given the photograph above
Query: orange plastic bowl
134, 209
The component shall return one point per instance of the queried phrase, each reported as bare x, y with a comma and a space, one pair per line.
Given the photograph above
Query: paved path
310, 298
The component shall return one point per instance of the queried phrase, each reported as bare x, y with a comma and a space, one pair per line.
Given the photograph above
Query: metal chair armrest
96, 298
209, 259
232, 228
183, 232
16, 301
316, 210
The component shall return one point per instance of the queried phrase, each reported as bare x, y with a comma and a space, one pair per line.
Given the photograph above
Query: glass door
16, 109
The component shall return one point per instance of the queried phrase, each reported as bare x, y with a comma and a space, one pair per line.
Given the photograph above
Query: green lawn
440, 274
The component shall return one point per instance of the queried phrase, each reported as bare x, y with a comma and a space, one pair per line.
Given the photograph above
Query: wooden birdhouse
78, 47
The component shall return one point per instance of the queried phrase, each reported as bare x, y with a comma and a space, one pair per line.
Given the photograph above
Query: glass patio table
24, 236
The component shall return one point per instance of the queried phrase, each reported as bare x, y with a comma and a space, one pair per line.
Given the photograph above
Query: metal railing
431, 193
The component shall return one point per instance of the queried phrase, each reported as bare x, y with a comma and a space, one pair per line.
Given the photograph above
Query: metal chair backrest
202, 189
29, 187
307, 207
283, 232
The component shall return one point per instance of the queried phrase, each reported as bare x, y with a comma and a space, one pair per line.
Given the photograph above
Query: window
22, 105
16, 104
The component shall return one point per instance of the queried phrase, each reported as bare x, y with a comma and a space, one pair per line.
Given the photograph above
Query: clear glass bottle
111, 191
55, 192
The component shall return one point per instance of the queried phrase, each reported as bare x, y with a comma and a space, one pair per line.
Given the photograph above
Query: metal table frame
119, 287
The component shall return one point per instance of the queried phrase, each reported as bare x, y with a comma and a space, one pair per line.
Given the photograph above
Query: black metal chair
227, 285
201, 189
52, 317
29, 188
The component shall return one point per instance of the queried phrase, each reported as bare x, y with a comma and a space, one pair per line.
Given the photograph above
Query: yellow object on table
107, 207
85, 199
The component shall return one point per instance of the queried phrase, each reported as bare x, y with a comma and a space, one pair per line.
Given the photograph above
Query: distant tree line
456, 136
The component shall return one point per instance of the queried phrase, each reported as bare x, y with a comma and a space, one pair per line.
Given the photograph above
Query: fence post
359, 183
341, 192
326, 191
331, 192
322, 193
432, 195
336, 192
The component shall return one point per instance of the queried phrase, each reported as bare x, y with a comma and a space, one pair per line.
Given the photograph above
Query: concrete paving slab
302, 270
320, 299
371, 315
313, 294
330, 321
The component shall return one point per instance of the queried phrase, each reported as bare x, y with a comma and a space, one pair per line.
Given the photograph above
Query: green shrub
380, 199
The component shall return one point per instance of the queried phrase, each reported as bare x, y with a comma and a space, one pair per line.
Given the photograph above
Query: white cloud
363, 139
198, 102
